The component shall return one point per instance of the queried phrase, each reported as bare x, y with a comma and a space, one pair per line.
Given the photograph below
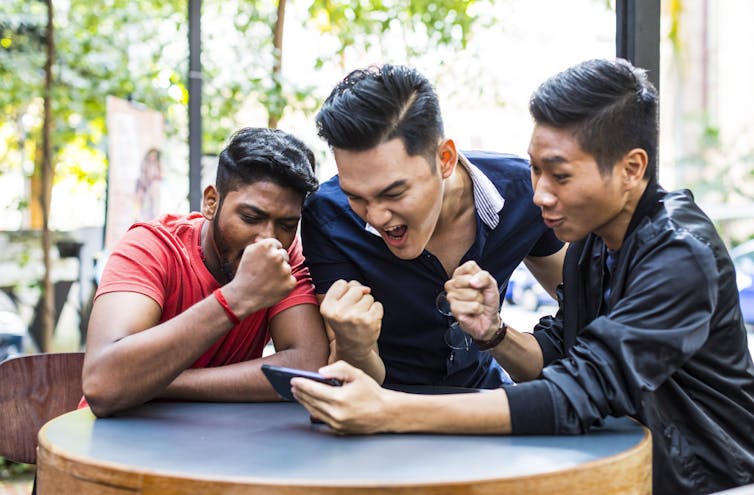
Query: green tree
53, 101
253, 40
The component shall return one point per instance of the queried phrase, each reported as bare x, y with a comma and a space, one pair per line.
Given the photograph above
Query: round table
272, 448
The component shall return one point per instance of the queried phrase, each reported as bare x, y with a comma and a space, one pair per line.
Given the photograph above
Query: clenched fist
354, 317
262, 279
474, 300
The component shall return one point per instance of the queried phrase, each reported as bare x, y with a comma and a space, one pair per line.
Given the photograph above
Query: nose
266, 231
542, 195
377, 215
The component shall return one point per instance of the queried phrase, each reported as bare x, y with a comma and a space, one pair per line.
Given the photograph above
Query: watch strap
484, 345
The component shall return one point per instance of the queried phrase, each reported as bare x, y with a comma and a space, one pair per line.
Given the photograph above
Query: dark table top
276, 441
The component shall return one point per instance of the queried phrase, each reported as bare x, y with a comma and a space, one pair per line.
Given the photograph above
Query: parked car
14, 334
743, 258
524, 290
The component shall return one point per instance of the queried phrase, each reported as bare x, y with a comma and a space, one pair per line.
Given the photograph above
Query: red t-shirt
161, 259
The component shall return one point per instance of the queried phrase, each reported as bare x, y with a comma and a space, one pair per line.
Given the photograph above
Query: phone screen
280, 378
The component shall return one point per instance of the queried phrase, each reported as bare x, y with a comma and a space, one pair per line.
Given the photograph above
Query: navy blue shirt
339, 245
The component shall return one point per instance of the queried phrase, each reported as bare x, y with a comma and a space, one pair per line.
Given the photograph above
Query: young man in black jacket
649, 324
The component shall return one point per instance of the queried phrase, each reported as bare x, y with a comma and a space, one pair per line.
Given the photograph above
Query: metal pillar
637, 35
195, 104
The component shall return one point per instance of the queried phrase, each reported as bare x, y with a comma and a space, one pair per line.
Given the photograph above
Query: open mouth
395, 235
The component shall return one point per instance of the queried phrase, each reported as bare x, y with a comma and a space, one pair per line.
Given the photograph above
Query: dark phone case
280, 378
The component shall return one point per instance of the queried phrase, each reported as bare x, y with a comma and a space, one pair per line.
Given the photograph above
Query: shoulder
171, 232
169, 224
509, 173
503, 166
679, 221
327, 204
678, 213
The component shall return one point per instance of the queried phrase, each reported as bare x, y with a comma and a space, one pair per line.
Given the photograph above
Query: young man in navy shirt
383, 237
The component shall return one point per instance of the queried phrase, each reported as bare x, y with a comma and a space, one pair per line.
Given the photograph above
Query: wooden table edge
90, 476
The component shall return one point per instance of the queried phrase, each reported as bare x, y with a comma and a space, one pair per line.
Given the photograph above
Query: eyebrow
260, 212
552, 160
385, 190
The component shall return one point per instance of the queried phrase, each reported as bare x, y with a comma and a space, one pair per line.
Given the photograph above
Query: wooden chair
33, 390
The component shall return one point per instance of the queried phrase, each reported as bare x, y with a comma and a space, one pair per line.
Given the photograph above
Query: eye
289, 227
250, 219
561, 177
392, 195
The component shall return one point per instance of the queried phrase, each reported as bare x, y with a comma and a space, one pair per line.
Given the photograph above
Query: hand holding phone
280, 378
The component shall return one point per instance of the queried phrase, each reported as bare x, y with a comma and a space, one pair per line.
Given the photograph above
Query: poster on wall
135, 136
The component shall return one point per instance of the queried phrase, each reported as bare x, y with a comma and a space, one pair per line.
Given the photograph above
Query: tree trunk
48, 308
277, 66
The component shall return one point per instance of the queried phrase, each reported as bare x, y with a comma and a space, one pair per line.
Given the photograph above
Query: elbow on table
102, 397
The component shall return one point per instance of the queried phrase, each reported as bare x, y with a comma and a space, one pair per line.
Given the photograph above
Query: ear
448, 156
633, 166
210, 201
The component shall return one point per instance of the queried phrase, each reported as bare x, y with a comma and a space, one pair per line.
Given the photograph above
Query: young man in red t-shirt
187, 303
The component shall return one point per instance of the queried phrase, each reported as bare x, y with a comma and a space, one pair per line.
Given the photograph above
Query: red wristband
224, 303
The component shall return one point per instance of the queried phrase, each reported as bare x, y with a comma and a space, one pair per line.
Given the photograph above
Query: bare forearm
548, 270
473, 413
520, 355
240, 382
136, 368
370, 363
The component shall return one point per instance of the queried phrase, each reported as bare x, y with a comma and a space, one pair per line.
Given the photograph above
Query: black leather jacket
668, 349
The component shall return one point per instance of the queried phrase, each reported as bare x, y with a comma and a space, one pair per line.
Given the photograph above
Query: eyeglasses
455, 337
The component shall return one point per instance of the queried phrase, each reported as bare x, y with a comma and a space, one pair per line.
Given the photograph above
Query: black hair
374, 105
260, 154
608, 105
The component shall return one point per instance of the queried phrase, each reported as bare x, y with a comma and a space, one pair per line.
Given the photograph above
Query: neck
210, 256
457, 198
455, 231
614, 238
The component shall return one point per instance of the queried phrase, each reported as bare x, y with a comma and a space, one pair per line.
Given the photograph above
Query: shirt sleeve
546, 245
661, 321
549, 333
326, 261
136, 264
303, 292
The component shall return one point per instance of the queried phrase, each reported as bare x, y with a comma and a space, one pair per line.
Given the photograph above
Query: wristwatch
484, 345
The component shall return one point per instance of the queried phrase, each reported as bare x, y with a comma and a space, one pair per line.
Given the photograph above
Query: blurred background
95, 127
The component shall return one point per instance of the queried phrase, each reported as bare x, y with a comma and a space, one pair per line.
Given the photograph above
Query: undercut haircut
377, 104
609, 106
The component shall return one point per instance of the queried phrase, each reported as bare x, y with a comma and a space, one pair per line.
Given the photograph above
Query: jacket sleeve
549, 333
660, 318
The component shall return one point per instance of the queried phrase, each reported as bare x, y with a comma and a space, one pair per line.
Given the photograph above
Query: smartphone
280, 378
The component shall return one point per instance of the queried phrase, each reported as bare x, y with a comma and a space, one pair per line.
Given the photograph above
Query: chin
569, 235
404, 253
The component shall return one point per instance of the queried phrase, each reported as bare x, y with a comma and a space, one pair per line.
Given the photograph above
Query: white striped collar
487, 200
